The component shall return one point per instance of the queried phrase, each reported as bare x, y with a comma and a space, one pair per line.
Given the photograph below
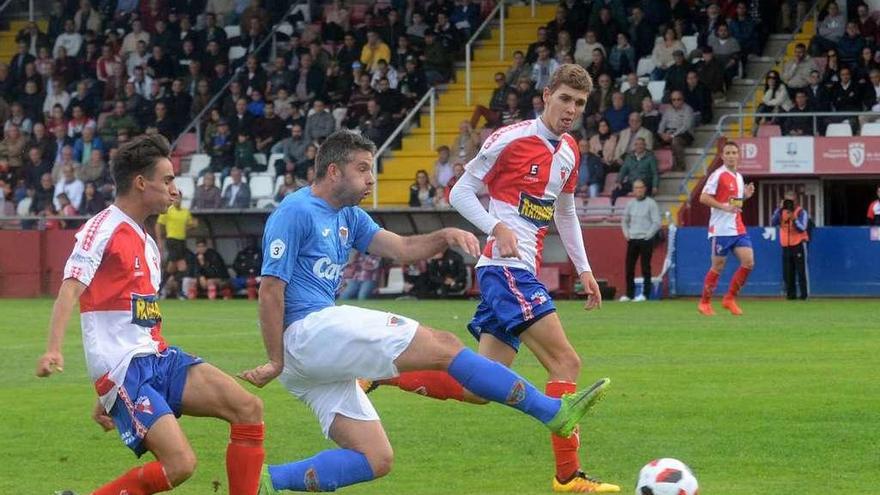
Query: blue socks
497, 383
325, 472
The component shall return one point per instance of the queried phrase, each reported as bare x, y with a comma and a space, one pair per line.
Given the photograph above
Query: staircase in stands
400, 167
8, 47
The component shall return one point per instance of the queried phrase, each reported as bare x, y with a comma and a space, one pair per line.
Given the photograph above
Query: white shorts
327, 351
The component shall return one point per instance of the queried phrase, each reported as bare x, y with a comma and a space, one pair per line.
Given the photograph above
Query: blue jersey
307, 243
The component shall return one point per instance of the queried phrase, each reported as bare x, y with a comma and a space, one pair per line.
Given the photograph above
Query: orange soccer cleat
729, 302
705, 308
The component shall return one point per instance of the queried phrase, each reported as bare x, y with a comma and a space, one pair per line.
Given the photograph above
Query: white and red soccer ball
666, 477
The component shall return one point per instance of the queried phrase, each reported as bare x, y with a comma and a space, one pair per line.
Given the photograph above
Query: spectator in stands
698, 96
865, 64
237, 193
66, 209
447, 273
269, 129
708, 22
640, 224
676, 75
69, 185
70, 40
374, 50
207, 195
818, 94
12, 147
247, 266
44, 195
641, 164
60, 140
627, 138
94, 170
846, 96
663, 54
442, 168
244, 153
617, 115
307, 80
221, 148
745, 30
563, 47
872, 95
416, 281
320, 123
33, 38
512, 112
161, 122
793, 222
650, 115
414, 83
42, 140
623, 56
603, 143
390, 100
727, 50
437, 60
711, 73
83, 147
831, 73
66, 159
287, 186
537, 108
602, 23
179, 104
93, 201
131, 40
598, 101
447, 35
642, 33
21, 58
675, 128
497, 102
850, 45
421, 192
829, 31
293, 148
84, 99
211, 271
775, 99
59, 97
793, 125
543, 68
361, 277
32, 169
19, 119
591, 171
520, 68
301, 170
526, 92
796, 72
457, 173
466, 143
634, 93
868, 26
376, 124
874, 210
585, 48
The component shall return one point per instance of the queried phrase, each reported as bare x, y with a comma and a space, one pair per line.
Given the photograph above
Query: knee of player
566, 364
249, 411
381, 462
449, 344
181, 468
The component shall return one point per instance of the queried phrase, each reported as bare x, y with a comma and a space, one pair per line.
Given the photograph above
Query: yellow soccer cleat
581, 483
368, 385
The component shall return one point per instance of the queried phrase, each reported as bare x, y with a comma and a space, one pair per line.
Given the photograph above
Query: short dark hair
337, 148
138, 157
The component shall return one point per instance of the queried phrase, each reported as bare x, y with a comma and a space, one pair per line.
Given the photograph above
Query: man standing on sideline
793, 222
874, 210
724, 193
641, 222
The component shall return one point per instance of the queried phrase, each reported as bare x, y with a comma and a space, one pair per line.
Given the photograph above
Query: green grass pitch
783, 400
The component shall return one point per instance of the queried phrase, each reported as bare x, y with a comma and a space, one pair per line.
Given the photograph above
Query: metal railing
499, 11
197, 120
719, 128
30, 8
778, 58
431, 99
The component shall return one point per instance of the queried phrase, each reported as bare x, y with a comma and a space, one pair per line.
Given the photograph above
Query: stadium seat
201, 178
395, 282
664, 160
871, 129
597, 210
272, 159
187, 145
198, 163
839, 129
285, 28
657, 88
549, 276
175, 164
690, 44
24, 207
261, 187
186, 185
610, 181
233, 31
266, 203
260, 158
186, 202
624, 86
646, 66
617, 210
279, 181
769, 130
236, 52
228, 180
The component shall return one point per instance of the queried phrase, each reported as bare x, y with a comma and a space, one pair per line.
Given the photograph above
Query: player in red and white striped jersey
530, 169
142, 383
724, 192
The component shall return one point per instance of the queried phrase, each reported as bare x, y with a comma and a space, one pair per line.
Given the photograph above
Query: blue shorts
722, 245
153, 387
512, 300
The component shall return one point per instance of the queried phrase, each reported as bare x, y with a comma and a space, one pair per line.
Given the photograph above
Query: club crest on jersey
145, 310
143, 405
536, 210
395, 321
343, 234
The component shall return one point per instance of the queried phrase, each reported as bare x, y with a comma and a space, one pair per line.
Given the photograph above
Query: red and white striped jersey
525, 168
119, 310
727, 187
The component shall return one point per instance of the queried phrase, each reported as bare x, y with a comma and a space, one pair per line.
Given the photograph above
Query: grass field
783, 400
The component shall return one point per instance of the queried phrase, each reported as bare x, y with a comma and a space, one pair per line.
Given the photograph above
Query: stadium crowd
105, 71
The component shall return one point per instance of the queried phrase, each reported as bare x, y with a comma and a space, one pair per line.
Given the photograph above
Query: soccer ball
666, 477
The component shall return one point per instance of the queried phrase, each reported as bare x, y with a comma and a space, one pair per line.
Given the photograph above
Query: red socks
144, 480
738, 281
434, 384
709, 285
564, 449
244, 459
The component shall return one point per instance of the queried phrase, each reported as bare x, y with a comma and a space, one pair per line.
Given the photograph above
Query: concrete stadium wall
841, 261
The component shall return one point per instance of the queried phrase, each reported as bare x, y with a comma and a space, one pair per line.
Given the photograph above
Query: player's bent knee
180, 468
249, 411
566, 365
448, 345
381, 462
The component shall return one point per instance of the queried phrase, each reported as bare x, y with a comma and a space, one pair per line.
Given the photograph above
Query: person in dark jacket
210, 269
447, 273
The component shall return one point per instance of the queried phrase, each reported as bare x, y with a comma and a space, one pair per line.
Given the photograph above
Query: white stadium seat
186, 185
871, 129
201, 179
228, 180
261, 187
197, 163
232, 31
395, 282
840, 129
272, 159
24, 207
690, 44
646, 66
657, 88
236, 52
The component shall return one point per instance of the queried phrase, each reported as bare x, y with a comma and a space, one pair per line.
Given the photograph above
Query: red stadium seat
597, 209
187, 145
769, 130
610, 181
175, 162
664, 159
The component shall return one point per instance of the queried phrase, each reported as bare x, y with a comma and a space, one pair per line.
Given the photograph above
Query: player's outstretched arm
272, 326
68, 295
421, 247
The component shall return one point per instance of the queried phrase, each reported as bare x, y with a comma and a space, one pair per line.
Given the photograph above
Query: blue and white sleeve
281, 243
363, 229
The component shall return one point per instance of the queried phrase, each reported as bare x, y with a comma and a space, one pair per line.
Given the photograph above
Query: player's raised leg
211, 393
548, 342
710, 283
746, 258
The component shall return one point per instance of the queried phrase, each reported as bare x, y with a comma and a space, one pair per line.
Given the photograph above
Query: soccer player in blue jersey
319, 350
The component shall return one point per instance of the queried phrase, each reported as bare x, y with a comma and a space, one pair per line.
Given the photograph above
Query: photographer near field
794, 224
